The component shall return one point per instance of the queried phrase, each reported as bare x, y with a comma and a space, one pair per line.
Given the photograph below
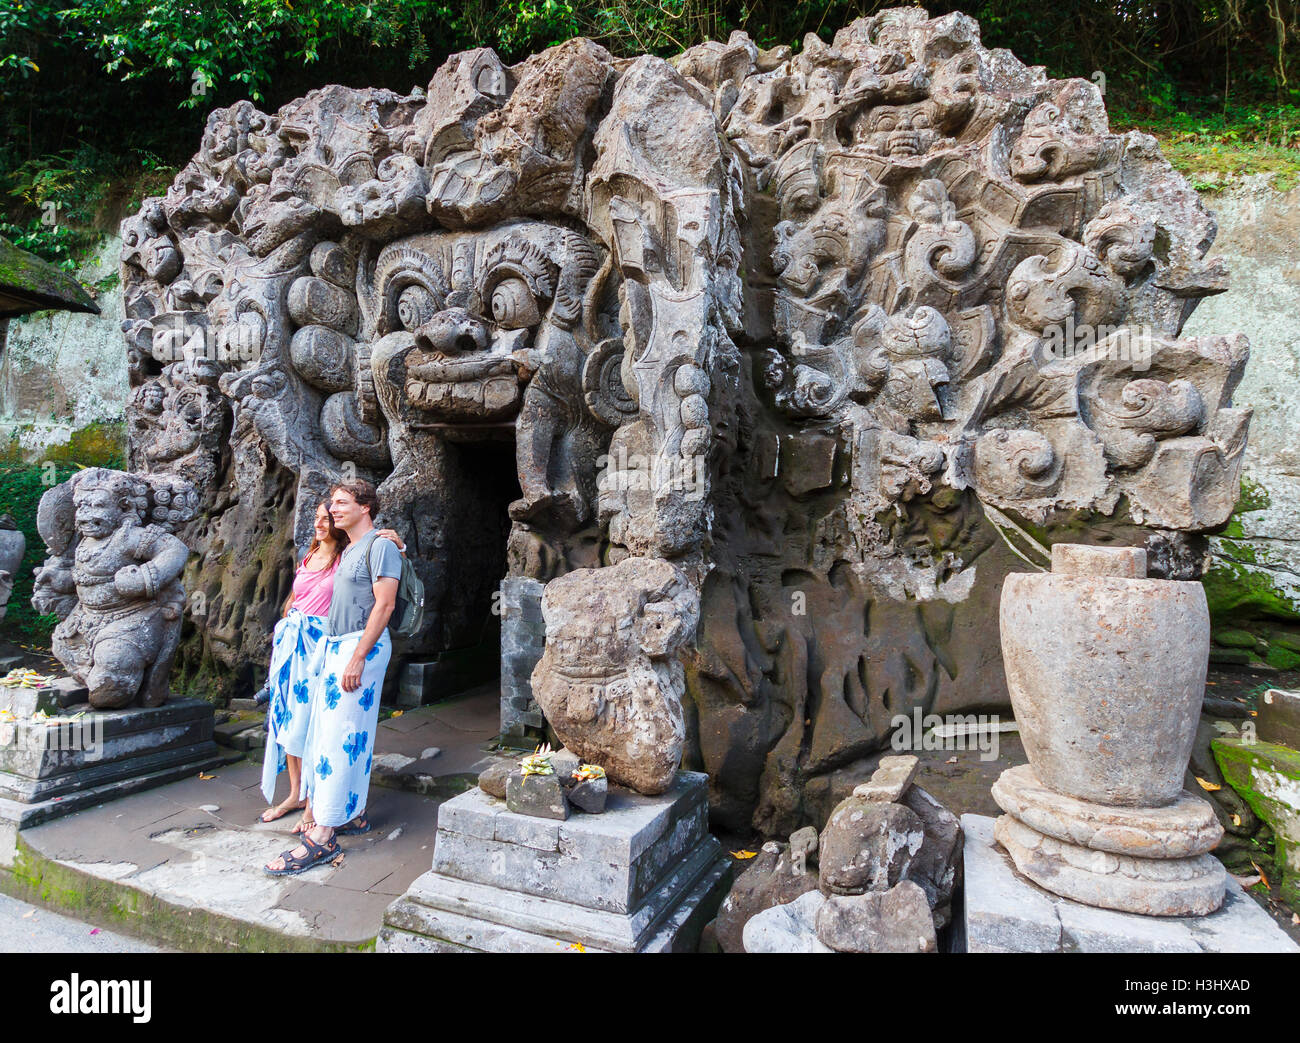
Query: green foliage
21, 487
104, 91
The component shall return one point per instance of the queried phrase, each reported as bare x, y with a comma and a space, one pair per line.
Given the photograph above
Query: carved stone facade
799, 325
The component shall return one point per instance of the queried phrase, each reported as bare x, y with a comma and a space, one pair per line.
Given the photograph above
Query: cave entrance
462, 562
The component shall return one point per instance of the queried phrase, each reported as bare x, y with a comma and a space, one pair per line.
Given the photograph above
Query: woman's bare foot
282, 809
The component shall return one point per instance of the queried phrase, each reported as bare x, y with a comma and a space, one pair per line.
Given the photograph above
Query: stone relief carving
790, 322
112, 578
610, 680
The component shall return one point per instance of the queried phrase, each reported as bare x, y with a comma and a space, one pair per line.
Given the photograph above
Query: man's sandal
358, 825
316, 854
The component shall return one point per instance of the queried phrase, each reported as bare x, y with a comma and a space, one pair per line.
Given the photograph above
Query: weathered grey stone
13, 545
539, 795
1108, 700
1267, 776
890, 780
803, 842
774, 877
1004, 912
867, 846
1108, 696
608, 861
1182, 829
118, 637
897, 920
492, 779
645, 876
937, 866
787, 928
589, 795
610, 681
52, 769
523, 637
1279, 717
1149, 886
565, 762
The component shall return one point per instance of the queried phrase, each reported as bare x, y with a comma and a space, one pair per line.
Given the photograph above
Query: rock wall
1253, 573
61, 372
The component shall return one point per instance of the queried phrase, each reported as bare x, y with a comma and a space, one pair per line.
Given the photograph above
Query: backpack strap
374, 538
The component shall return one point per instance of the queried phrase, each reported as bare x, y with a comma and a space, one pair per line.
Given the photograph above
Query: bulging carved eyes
513, 305
415, 307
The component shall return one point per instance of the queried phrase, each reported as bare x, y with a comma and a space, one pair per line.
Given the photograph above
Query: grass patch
1215, 149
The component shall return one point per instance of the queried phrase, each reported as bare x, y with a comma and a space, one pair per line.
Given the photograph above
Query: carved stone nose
453, 331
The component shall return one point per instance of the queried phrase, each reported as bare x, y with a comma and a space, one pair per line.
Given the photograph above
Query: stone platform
644, 876
1004, 912
76, 760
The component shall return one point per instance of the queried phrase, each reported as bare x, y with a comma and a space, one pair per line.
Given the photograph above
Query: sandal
358, 825
316, 854
302, 825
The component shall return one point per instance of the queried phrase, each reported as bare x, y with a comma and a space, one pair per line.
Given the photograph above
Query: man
352, 659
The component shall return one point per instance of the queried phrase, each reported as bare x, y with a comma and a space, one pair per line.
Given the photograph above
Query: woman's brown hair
339, 537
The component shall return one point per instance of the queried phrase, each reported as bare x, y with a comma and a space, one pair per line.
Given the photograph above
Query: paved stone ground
164, 847
26, 928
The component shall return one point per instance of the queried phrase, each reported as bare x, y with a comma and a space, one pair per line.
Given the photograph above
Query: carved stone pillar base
1152, 861
643, 876
52, 768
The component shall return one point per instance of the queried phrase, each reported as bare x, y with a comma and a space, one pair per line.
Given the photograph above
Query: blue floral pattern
355, 745
333, 693
296, 649
343, 731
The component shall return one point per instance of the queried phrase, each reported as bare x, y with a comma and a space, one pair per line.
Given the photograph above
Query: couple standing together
328, 660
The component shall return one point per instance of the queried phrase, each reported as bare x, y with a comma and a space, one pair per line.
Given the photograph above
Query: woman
292, 648
292, 651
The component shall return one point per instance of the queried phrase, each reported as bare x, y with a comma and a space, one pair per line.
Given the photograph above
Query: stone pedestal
1106, 671
48, 769
1002, 911
644, 876
1152, 861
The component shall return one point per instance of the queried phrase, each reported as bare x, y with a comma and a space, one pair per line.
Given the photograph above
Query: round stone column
1106, 671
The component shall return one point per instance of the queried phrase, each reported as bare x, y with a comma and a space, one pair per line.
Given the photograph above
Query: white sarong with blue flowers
293, 650
341, 734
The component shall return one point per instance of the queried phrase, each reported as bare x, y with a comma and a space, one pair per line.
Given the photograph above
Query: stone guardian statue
113, 578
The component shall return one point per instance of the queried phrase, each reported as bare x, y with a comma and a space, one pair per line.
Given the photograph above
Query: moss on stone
1235, 639
1282, 658
1238, 592
116, 904
98, 444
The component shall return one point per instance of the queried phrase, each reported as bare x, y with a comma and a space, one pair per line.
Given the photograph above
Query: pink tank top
312, 589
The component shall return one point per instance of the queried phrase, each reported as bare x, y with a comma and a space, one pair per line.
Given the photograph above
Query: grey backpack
408, 613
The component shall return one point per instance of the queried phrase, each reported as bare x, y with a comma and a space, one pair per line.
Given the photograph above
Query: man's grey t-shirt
354, 594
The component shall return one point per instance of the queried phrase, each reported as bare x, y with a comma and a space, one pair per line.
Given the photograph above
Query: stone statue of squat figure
114, 581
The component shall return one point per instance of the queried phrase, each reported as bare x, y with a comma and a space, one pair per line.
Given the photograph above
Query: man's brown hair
361, 491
